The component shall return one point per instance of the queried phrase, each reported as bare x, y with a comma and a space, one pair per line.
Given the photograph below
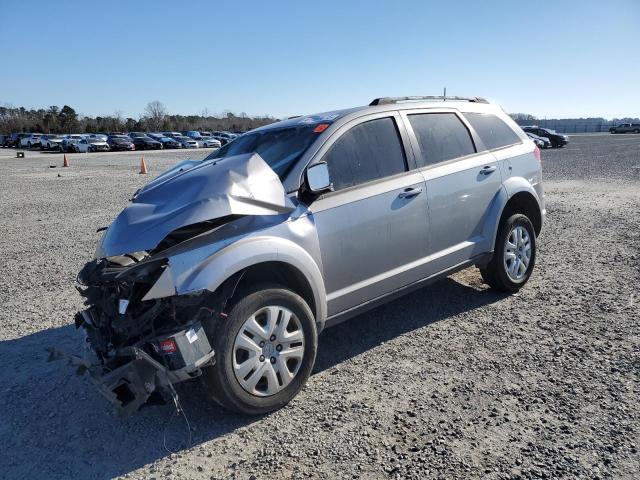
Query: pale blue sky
549, 58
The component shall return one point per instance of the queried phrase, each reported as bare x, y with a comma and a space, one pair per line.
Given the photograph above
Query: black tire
220, 380
495, 273
636, 131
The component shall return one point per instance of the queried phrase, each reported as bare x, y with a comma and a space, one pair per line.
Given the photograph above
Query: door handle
486, 170
410, 192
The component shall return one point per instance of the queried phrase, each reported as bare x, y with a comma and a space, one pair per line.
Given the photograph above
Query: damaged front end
137, 349
146, 327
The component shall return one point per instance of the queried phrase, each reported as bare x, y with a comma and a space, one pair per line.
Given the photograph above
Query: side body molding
210, 273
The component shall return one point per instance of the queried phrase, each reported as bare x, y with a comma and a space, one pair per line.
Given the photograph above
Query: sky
549, 58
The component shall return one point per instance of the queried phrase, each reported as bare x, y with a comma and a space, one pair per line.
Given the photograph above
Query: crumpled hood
191, 192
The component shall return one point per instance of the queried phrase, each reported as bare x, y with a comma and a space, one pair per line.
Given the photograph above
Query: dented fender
187, 273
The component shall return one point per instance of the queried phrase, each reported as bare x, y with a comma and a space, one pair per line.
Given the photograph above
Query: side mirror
318, 178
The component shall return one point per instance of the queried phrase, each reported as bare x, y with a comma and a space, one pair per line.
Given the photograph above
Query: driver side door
372, 228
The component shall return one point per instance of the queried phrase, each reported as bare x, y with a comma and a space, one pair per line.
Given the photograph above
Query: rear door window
441, 137
369, 151
493, 131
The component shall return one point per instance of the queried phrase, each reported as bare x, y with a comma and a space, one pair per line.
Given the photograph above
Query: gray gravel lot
452, 381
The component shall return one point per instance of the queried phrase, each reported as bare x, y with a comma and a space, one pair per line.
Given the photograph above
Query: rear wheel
514, 256
264, 351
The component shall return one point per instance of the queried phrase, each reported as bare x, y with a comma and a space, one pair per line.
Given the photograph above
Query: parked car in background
167, 142
81, 146
209, 142
193, 134
74, 136
172, 134
557, 140
186, 142
626, 128
87, 145
146, 143
97, 136
137, 134
14, 140
541, 142
97, 144
50, 142
224, 137
206, 134
32, 140
75, 145
68, 145
120, 142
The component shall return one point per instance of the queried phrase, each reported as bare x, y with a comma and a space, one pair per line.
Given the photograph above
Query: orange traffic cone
143, 166
65, 162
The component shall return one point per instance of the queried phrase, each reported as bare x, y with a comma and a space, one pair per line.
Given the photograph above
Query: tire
496, 273
636, 131
270, 392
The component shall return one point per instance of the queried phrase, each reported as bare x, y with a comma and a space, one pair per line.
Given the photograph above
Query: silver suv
228, 268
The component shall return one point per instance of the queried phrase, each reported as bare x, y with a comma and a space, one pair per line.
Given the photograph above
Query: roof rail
432, 98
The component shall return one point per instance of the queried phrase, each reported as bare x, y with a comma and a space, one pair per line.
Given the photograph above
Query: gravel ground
452, 381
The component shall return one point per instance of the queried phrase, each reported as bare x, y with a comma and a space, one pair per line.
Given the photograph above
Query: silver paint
351, 246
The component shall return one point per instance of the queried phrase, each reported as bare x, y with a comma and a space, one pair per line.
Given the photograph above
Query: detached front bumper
130, 377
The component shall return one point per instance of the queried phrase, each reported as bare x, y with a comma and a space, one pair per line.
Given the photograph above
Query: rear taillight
536, 152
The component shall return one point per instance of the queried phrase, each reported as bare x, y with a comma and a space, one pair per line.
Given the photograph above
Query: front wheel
265, 350
514, 256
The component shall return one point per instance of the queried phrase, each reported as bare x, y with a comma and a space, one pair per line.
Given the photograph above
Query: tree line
155, 118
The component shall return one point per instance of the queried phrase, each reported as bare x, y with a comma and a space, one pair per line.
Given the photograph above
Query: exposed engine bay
145, 330
137, 349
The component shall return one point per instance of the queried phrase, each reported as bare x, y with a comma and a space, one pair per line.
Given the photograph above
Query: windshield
280, 148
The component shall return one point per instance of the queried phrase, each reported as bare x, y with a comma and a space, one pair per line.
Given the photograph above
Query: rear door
462, 179
373, 227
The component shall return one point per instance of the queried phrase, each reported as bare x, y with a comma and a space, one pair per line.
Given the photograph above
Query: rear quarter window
494, 132
441, 137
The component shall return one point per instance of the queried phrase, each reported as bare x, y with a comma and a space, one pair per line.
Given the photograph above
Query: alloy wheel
517, 253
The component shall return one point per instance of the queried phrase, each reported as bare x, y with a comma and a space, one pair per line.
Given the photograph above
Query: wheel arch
522, 199
275, 271
261, 259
